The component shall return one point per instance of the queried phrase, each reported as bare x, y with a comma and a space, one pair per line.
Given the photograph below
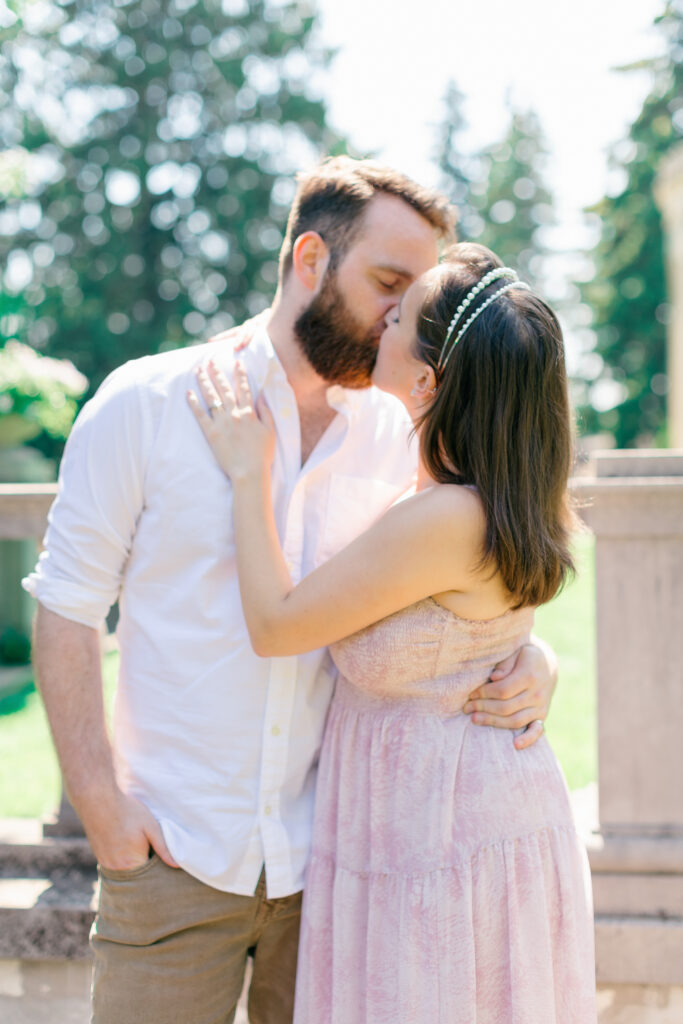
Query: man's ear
310, 258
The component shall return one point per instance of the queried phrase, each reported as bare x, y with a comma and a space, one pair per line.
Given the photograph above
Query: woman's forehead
424, 285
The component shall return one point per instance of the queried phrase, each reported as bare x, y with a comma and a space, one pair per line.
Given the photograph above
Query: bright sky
395, 59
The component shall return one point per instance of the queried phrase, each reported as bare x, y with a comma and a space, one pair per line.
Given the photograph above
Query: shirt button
290, 566
267, 810
286, 412
275, 731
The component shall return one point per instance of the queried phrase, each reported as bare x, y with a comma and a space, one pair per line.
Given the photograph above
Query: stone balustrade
634, 507
23, 510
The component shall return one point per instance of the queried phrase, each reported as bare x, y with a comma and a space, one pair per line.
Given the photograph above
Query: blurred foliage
10, 18
512, 198
149, 148
15, 647
459, 169
37, 393
627, 294
500, 192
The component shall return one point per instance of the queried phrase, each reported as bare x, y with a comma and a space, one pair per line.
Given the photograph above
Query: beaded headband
486, 280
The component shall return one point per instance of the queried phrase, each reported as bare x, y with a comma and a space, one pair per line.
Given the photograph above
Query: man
200, 812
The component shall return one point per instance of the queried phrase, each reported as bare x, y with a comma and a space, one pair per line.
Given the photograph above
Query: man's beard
337, 346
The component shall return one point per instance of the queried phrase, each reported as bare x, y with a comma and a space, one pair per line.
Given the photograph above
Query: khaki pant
171, 950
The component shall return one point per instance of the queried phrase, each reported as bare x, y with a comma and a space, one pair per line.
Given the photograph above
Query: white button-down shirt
220, 744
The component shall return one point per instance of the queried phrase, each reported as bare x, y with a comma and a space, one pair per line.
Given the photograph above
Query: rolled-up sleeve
100, 498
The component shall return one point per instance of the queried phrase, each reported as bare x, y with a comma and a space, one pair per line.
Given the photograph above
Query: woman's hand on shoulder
241, 433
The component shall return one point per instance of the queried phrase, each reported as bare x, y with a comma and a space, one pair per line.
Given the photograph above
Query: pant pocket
122, 874
133, 905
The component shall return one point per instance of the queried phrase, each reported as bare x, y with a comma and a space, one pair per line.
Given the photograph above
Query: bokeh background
148, 149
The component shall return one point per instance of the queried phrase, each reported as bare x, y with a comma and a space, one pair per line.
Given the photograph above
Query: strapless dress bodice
427, 656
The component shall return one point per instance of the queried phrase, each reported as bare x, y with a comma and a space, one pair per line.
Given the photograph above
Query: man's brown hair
332, 198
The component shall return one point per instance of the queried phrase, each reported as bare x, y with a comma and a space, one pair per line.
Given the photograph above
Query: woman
446, 882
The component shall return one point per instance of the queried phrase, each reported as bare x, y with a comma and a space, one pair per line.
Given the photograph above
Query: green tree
627, 294
512, 198
458, 167
158, 140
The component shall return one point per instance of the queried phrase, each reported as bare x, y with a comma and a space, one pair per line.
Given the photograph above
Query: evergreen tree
512, 198
459, 169
158, 140
628, 292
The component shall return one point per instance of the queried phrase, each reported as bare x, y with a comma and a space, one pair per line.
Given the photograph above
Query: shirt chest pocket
353, 504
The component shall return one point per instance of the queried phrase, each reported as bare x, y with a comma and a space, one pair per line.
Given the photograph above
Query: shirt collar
345, 400
262, 360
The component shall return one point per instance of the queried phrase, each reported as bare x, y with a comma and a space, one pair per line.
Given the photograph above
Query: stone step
633, 950
24, 850
46, 918
47, 905
47, 894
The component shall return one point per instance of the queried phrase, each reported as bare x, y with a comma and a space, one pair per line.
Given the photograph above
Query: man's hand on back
519, 693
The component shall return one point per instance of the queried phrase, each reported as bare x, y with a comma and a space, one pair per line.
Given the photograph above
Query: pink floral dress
447, 884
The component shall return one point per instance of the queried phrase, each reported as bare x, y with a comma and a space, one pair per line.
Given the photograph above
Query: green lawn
29, 779
568, 625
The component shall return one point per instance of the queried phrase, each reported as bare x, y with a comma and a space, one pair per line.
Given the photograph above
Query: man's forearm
69, 674
551, 661
519, 693
67, 660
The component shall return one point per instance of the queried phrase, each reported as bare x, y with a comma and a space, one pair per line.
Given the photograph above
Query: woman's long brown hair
500, 420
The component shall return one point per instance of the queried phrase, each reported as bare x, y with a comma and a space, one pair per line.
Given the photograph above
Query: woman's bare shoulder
450, 514
454, 505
